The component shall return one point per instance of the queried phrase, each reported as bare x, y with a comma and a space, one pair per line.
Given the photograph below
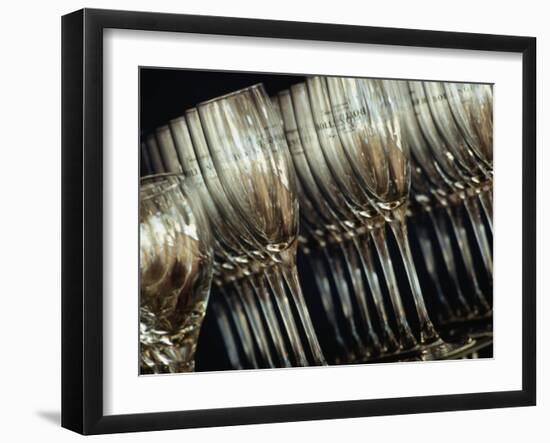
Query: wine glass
364, 116
316, 224
452, 167
232, 253
335, 175
175, 274
472, 109
325, 218
460, 130
236, 253
248, 149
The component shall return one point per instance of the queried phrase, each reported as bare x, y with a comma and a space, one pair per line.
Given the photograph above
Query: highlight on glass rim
294, 221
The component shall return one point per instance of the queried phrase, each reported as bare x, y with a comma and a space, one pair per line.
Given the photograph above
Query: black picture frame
82, 220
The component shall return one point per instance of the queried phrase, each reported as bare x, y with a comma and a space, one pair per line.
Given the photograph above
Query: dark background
166, 94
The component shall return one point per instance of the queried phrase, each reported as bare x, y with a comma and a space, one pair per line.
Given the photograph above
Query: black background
167, 93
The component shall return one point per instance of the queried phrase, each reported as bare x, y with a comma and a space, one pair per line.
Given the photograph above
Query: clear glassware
336, 177
244, 332
343, 155
314, 220
452, 109
326, 221
375, 157
232, 253
248, 149
167, 150
175, 274
228, 337
454, 169
472, 108
446, 312
422, 192
157, 166
450, 166
467, 317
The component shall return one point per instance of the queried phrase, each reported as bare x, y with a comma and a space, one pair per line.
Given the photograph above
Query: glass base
450, 349
392, 356
445, 350
478, 327
437, 350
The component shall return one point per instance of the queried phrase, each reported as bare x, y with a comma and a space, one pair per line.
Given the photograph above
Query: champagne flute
325, 221
450, 167
472, 153
248, 149
231, 254
367, 121
336, 173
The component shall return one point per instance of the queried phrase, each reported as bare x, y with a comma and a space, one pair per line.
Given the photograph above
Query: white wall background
30, 97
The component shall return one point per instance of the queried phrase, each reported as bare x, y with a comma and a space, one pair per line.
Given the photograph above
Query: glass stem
356, 278
463, 245
430, 262
342, 288
281, 299
428, 333
243, 330
406, 337
486, 199
362, 248
444, 240
251, 311
325, 294
472, 208
264, 300
227, 336
290, 275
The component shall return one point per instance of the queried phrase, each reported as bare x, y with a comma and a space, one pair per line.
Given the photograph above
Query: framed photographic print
269, 221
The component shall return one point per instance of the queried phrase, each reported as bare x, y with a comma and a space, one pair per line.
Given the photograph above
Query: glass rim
230, 94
